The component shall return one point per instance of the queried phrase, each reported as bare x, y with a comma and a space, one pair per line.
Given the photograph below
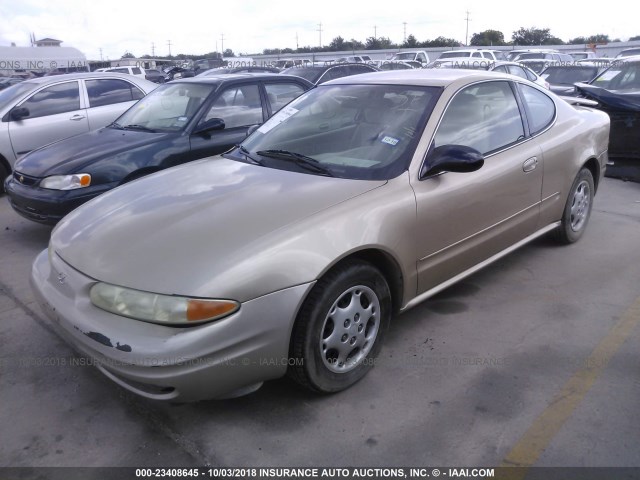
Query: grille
25, 179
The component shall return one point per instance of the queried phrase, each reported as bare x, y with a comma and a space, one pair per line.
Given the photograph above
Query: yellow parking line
536, 439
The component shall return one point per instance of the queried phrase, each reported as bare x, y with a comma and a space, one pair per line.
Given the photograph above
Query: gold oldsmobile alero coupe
292, 252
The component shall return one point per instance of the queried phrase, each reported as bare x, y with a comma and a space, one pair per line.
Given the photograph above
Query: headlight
156, 308
66, 182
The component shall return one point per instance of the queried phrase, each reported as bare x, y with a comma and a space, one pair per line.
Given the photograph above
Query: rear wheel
577, 209
340, 328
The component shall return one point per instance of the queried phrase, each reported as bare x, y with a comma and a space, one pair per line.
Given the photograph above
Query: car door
108, 98
240, 106
465, 218
55, 112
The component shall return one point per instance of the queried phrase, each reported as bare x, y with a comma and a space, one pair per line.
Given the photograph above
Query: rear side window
518, 71
111, 90
61, 98
136, 71
540, 109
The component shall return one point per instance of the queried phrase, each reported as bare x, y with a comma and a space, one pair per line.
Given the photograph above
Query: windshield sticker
390, 140
608, 75
277, 119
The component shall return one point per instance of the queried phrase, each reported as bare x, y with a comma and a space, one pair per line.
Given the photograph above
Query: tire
3, 175
577, 209
340, 328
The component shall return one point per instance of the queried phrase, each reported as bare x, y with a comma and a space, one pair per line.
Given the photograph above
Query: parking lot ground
533, 360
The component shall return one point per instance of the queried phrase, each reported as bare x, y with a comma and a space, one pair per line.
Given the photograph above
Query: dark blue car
178, 122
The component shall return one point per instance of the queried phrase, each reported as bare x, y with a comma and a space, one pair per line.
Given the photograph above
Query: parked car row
616, 91
178, 122
41, 110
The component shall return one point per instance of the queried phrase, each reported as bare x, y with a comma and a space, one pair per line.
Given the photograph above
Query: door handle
530, 164
76, 117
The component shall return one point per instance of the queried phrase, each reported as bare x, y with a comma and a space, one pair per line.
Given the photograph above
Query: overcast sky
249, 26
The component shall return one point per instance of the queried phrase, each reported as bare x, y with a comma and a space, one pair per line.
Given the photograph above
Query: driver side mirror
210, 125
452, 158
19, 113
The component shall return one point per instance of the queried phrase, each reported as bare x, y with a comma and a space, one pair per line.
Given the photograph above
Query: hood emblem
21, 179
61, 278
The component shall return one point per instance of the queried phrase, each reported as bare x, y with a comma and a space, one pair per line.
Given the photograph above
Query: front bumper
168, 363
48, 206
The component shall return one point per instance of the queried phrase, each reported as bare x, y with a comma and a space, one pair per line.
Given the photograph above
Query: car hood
74, 154
207, 228
616, 99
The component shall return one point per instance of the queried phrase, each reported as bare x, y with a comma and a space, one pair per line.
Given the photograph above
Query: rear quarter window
541, 110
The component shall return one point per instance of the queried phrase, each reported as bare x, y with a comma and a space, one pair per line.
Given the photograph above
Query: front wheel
577, 209
339, 330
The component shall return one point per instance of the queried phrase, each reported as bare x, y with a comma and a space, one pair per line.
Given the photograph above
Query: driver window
238, 107
484, 116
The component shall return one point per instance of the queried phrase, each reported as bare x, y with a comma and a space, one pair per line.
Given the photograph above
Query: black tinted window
540, 108
334, 72
61, 98
110, 91
356, 69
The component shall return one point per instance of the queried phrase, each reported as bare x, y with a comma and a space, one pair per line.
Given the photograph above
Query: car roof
429, 77
232, 77
79, 76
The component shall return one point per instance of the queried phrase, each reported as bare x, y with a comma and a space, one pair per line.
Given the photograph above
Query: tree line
521, 37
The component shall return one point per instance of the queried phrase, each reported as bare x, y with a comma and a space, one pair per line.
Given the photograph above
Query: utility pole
222, 40
169, 43
320, 31
101, 55
466, 37
153, 50
297, 41
405, 31
375, 32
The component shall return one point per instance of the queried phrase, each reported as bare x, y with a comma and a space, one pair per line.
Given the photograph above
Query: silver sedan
293, 252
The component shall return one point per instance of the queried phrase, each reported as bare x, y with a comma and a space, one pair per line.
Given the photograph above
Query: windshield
454, 55
404, 56
568, 75
629, 53
364, 132
12, 93
625, 76
532, 56
169, 108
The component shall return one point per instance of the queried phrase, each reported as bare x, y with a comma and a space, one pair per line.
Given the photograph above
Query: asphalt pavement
532, 361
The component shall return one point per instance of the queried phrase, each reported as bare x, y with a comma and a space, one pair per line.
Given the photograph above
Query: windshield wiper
247, 155
304, 161
138, 127
115, 125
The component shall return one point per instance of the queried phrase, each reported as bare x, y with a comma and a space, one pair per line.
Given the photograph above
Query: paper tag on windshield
390, 140
278, 118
